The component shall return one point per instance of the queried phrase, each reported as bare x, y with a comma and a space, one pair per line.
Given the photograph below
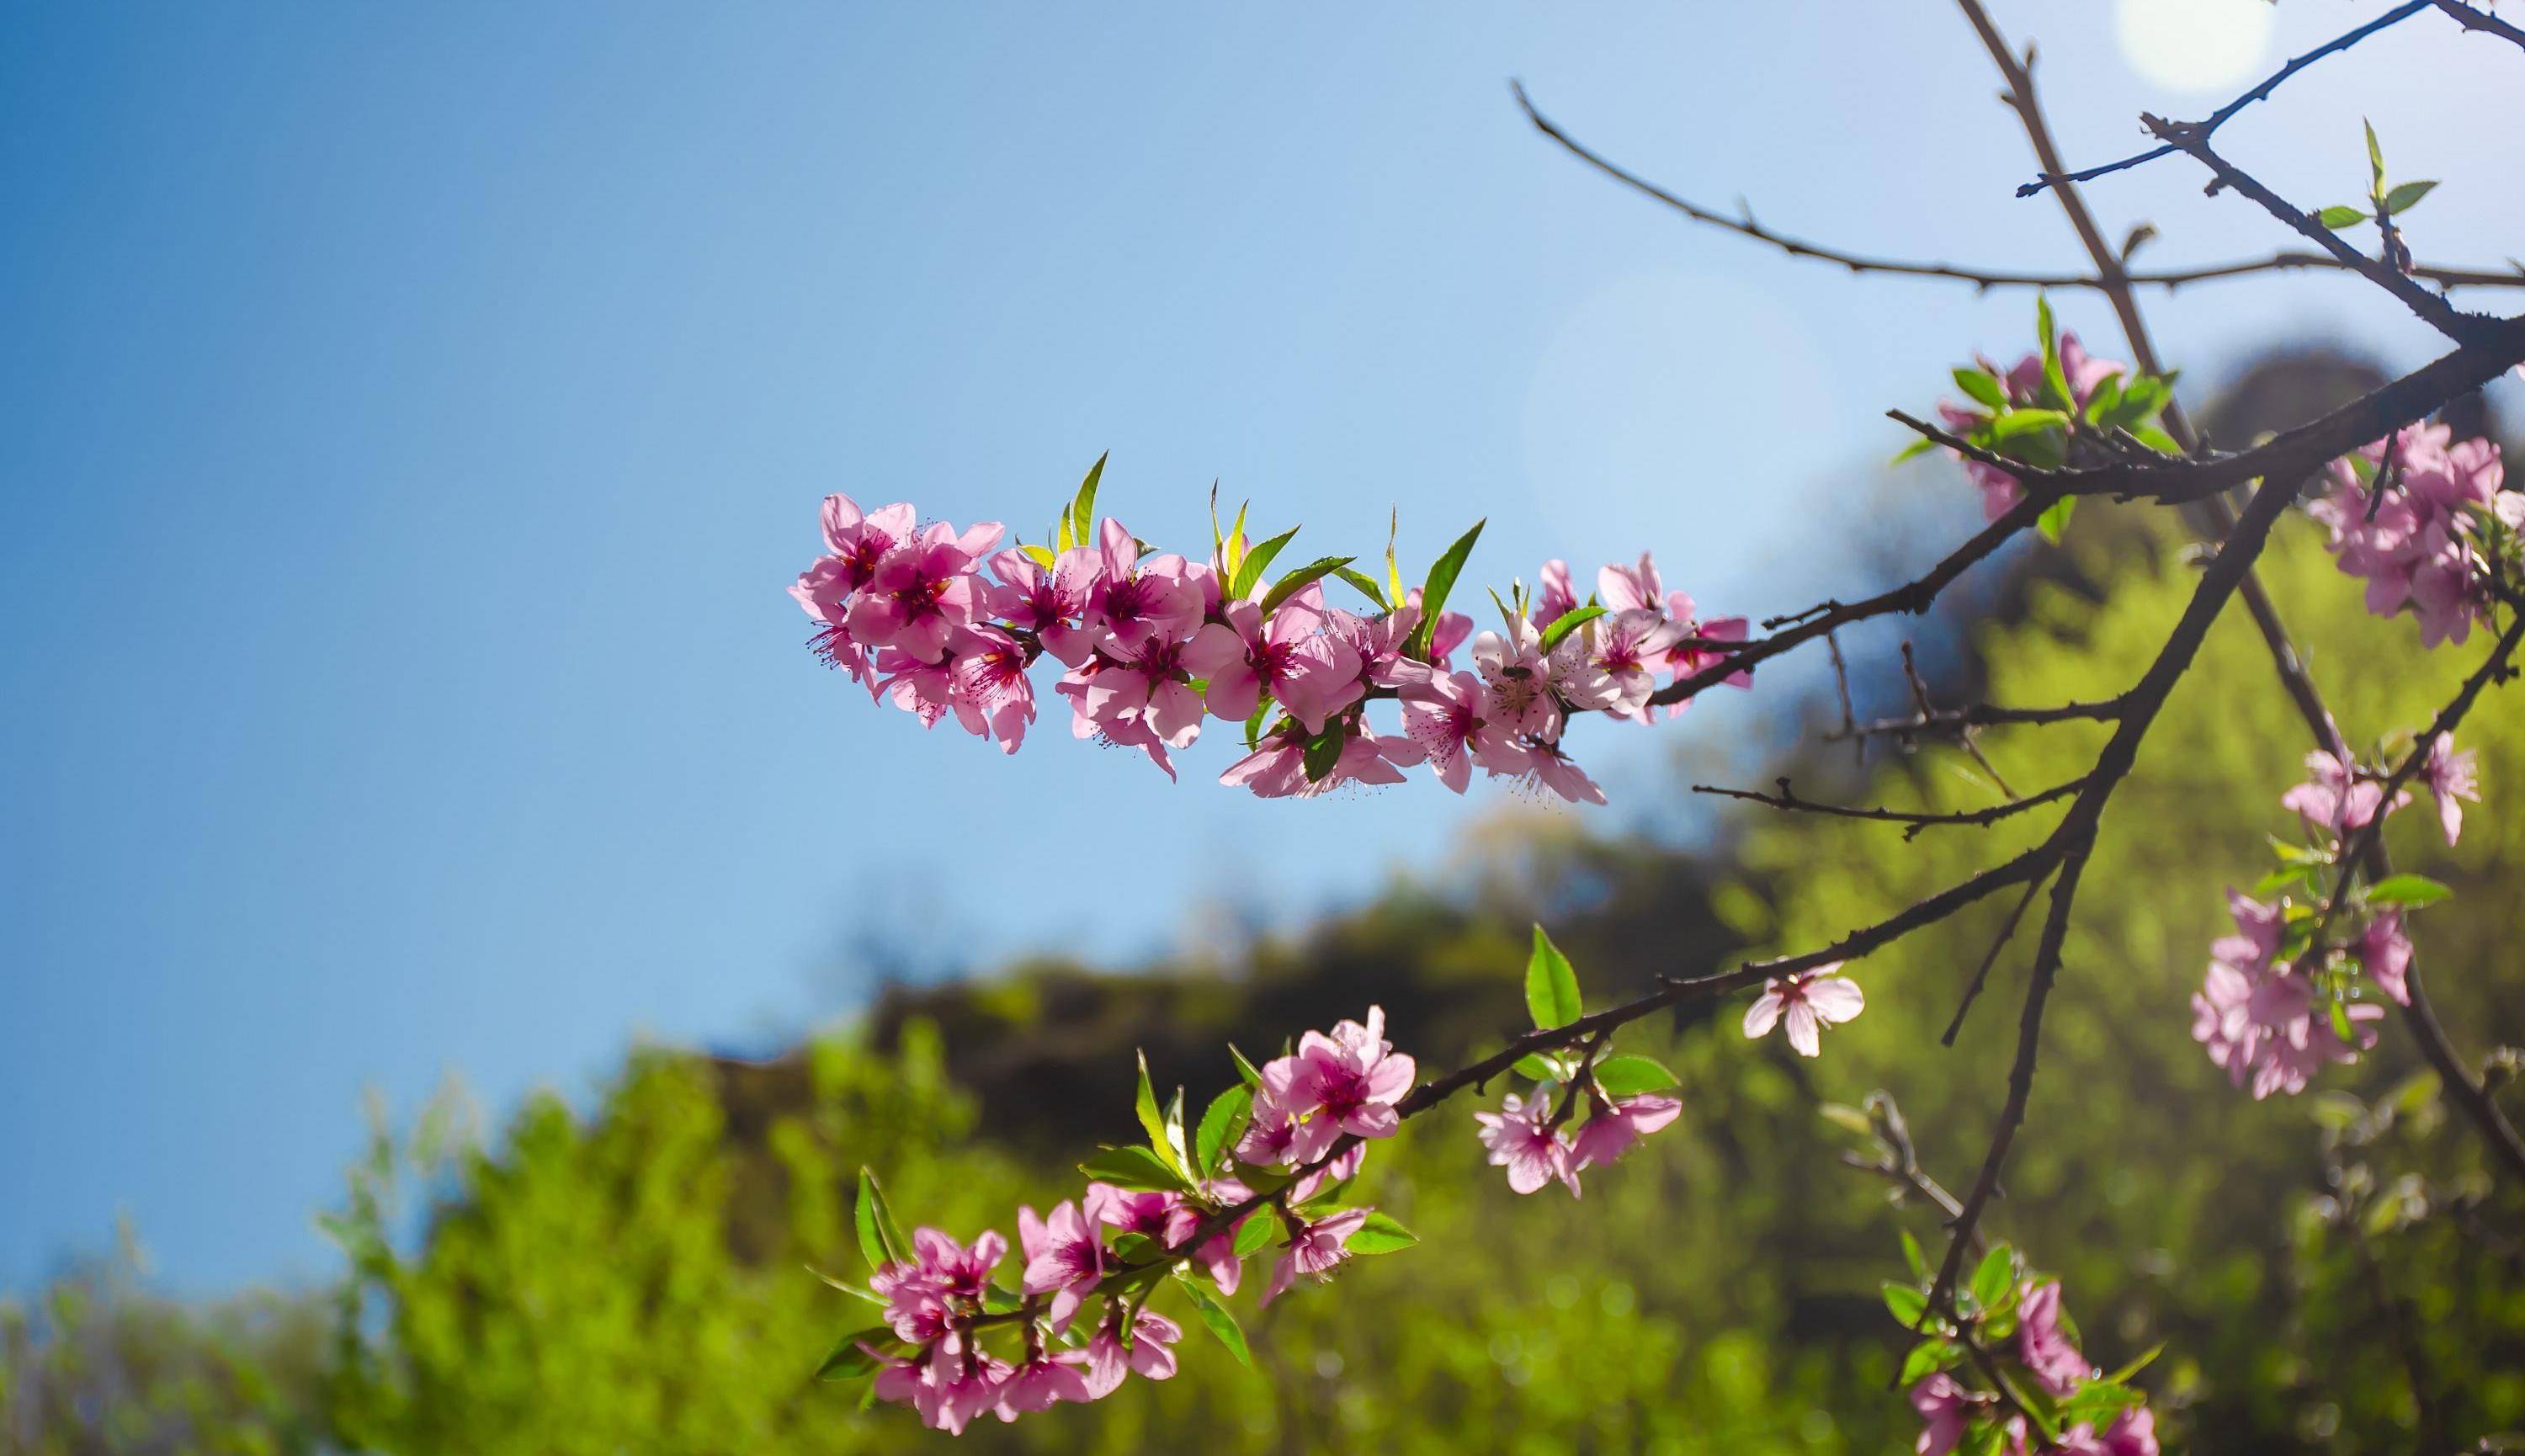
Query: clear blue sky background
416, 412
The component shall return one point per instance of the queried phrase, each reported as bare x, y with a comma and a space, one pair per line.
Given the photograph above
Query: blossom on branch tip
1521, 1139
1315, 1249
1065, 1258
1808, 1002
1347, 1081
1151, 1355
1616, 1124
2451, 778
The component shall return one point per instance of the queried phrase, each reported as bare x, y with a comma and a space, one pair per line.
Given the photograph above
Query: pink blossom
2024, 386
1631, 588
1514, 692
1308, 672
2259, 928
1378, 641
821, 592
2451, 778
922, 591
954, 1267
989, 687
1042, 1380
2262, 1027
1808, 1002
1150, 1213
1449, 634
1129, 602
1555, 597
1366, 757
950, 1384
1148, 685
1546, 767
1314, 1250
1110, 717
1347, 1081
1442, 713
2334, 798
1050, 603
1064, 1258
1945, 1410
1685, 661
1275, 768
858, 541
1151, 1354
1627, 647
2385, 954
2042, 1344
1616, 1124
1521, 1139
2413, 546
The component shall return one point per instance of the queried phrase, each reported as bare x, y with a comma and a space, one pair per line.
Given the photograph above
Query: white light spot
2195, 45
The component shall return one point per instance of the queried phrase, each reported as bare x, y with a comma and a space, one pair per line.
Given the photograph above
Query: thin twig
2054, 177
1745, 226
1987, 715
1912, 821
2481, 21
1981, 973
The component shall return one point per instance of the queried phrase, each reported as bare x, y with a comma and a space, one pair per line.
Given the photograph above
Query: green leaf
1083, 508
881, 1239
1250, 569
2103, 399
2018, 423
2375, 159
1300, 579
1928, 1358
1380, 1234
1433, 592
847, 1361
2122, 1376
1536, 1067
1254, 1232
2055, 382
1134, 1167
1232, 551
1041, 556
2339, 216
1244, 1067
1393, 569
1263, 706
2405, 196
1629, 1077
1982, 388
2156, 438
1994, 1277
2341, 1027
1324, 750
1220, 1126
1568, 622
1217, 1321
1551, 985
1912, 1256
856, 1291
2056, 519
1913, 450
1908, 1305
1151, 1121
1367, 585
1175, 1130
2407, 889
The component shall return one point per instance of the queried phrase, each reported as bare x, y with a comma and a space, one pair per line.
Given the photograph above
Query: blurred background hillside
416, 414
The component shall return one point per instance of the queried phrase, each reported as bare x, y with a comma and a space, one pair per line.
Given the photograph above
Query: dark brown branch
1914, 821
1745, 226
2430, 308
1986, 715
2052, 174
1981, 973
2481, 21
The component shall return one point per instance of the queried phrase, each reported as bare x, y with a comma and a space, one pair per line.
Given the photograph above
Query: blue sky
416, 413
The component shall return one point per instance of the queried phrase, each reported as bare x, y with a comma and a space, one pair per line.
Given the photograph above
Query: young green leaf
2339, 216
1551, 984
1981, 387
1365, 586
1994, 1277
1220, 1126
1907, 1303
1536, 1067
1041, 556
1249, 572
2375, 160
1568, 622
1928, 1358
1323, 751
1433, 592
1912, 1256
2405, 196
1134, 1167
1215, 1318
1393, 568
2056, 519
2018, 423
1629, 1077
1380, 1234
1245, 1069
881, 1239
2056, 381
847, 1361
2407, 889
1254, 1232
1300, 579
1151, 1121
1082, 507
1913, 450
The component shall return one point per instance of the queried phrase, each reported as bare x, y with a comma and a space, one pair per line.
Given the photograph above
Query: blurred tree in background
638, 1278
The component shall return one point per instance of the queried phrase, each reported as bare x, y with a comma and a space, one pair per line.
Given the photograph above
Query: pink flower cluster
1948, 1409
1313, 1114
2023, 387
939, 623
1534, 1145
2419, 546
2273, 1013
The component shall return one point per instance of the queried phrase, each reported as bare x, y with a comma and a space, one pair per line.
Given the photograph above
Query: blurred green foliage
638, 1278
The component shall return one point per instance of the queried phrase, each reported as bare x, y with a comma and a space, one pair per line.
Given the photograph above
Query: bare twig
1745, 226
1912, 821
1981, 973
1987, 715
2481, 21
2052, 176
